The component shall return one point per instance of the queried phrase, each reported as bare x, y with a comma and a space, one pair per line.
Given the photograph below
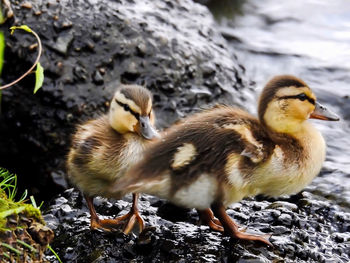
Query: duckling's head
286, 102
131, 111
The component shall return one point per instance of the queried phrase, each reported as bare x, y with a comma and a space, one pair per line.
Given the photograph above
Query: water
311, 40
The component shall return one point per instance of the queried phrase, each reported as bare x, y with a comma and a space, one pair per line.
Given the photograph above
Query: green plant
39, 72
49, 247
9, 184
18, 215
8, 204
53, 252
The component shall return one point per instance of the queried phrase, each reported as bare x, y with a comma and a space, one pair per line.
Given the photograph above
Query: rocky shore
175, 49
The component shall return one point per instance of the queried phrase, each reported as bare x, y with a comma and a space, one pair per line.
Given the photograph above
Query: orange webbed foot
128, 220
231, 228
207, 218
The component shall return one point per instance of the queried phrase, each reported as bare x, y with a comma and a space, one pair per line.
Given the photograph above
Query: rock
173, 234
285, 219
89, 48
341, 237
62, 43
278, 230
97, 78
284, 205
252, 259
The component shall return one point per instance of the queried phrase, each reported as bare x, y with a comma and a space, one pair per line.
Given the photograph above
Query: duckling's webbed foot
95, 222
206, 217
128, 219
231, 227
133, 217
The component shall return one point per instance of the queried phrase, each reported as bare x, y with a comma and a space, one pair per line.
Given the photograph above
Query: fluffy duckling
103, 150
224, 154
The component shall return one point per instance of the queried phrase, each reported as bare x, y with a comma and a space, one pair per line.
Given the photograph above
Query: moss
10, 207
33, 212
18, 208
4, 205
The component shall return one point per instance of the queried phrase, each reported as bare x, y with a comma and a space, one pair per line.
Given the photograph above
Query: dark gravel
304, 228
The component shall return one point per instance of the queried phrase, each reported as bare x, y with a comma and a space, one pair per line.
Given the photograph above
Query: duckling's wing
253, 148
151, 170
95, 152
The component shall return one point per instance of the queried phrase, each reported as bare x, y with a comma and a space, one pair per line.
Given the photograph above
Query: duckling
104, 148
222, 155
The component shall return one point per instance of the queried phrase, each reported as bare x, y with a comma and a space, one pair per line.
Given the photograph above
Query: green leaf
8, 212
32, 249
24, 196
11, 248
53, 252
39, 77
6, 255
23, 27
33, 201
2, 49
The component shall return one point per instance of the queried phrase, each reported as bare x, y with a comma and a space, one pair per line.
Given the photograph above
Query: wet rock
285, 205
62, 43
285, 219
27, 5
62, 24
97, 78
252, 259
60, 201
278, 230
41, 234
90, 48
51, 221
341, 237
173, 234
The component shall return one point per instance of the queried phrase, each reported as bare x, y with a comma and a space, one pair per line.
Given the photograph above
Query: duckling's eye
302, 97
126, 107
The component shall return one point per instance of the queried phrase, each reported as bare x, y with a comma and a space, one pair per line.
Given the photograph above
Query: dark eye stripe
127, 108
301, 97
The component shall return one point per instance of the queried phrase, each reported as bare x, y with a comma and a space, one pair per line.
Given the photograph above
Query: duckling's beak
322, 113
146, 128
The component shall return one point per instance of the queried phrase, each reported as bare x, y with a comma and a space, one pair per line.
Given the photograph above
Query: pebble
80, 73
62, 43
285, 219
60, 201
27, 5
286, 205
97, 78
280, 230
